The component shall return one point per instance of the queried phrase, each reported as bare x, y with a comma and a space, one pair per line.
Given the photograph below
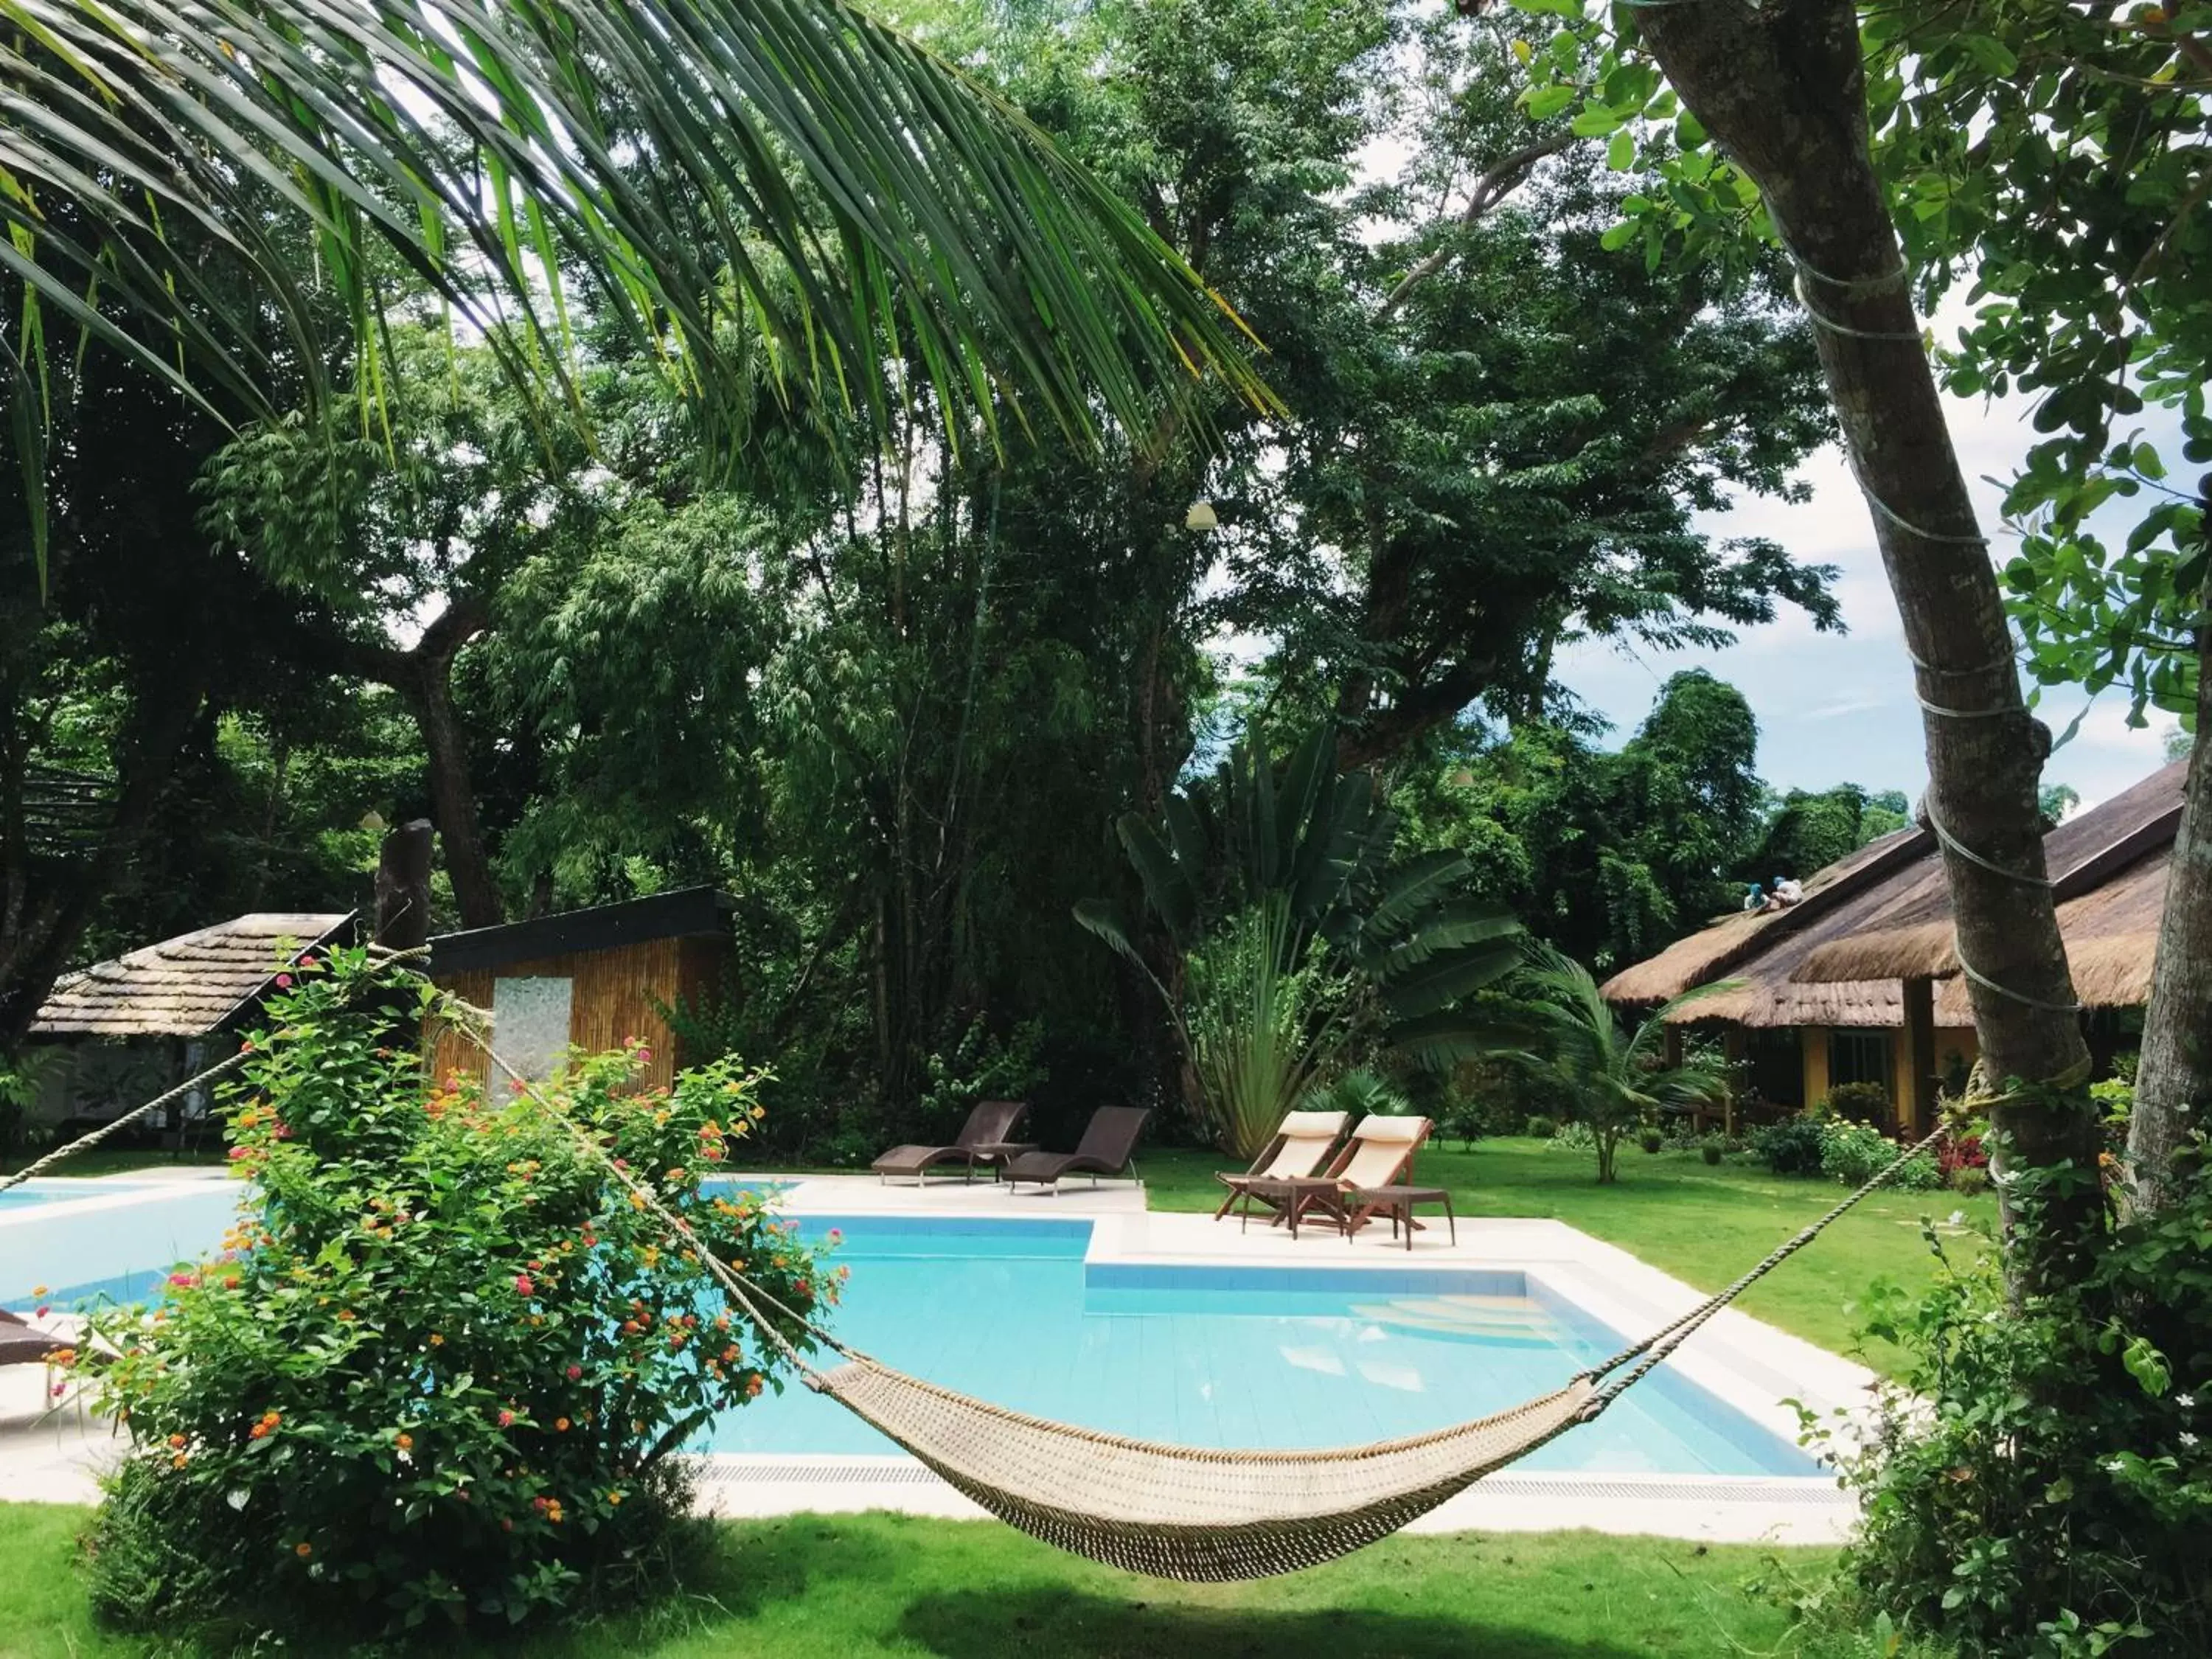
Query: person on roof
1756, 898
1787, 891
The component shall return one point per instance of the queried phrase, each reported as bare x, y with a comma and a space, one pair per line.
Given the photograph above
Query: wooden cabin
117, 1033
588, 979
1859, 982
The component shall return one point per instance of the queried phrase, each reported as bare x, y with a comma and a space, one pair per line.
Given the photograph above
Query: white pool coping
55, 1455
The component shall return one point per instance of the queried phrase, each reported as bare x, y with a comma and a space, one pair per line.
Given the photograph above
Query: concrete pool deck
55, 1455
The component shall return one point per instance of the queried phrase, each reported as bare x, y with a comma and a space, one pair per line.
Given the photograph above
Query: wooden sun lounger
1300, 1147
1380, 1154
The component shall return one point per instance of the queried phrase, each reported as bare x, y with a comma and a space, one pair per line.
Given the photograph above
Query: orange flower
176, 1440
436, 1340
561, 1425
404, 1442
303, 1550
177, 1461
271, 1419
258, 1431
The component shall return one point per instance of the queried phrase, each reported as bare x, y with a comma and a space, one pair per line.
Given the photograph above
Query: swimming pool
86, 1240
1017, 1312
1011, 1312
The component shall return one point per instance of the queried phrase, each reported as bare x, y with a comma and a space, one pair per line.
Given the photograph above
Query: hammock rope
1172, 1512
1185, 1512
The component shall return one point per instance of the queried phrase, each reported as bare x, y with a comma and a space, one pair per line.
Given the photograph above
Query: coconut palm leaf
792, 166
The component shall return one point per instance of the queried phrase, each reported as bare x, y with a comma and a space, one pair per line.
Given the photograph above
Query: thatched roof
2109, 867
1883, 915
188, 986
1721, 949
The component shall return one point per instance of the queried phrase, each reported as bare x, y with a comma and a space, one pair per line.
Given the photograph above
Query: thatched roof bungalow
1859, 982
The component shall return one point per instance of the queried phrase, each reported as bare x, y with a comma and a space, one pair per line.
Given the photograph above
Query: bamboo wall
611, 999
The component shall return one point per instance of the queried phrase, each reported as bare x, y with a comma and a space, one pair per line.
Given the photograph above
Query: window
1859, 1057
1776, 1070
530, 1023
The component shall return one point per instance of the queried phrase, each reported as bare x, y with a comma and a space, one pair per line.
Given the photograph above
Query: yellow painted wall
1813, 1044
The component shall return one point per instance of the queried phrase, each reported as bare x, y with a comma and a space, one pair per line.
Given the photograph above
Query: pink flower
59, 1389
644, 1053
523, 1285
283, 1132
237, 1152
836, 1233
506, 1419
308, 964
184, 1281
574, 1371
40, 1312
284, 982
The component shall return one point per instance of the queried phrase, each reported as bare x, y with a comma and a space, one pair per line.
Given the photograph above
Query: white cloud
1842, 707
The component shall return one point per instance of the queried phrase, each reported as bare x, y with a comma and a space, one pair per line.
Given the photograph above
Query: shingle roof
183, 987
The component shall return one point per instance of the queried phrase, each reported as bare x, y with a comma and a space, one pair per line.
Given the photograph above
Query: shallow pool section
1229, 1356
87, 1241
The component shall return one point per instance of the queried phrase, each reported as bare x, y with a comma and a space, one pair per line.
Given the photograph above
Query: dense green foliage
437, 1370
2042, 1482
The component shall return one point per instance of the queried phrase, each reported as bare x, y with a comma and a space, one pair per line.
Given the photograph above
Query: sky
1837, 708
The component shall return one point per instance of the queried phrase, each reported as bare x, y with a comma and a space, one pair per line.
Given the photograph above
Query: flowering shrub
2040, 1480
1961, 1151
440, 1363
1855, 1153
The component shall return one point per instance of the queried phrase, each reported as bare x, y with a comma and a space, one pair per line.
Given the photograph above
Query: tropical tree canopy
221, 196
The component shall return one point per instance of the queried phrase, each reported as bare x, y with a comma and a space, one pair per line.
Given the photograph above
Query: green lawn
124, 1160
1702, 1224
814, 1587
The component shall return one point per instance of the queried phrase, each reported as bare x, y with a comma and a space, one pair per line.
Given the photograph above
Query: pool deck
54, 1455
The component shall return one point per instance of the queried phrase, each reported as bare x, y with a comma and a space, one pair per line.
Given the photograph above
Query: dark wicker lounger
987, 1139
22, 1343
1108, 1146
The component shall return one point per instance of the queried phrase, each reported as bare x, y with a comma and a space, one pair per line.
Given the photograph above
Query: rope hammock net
1166, 1511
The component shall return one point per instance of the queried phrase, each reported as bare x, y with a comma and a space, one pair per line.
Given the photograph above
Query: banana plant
1309, 850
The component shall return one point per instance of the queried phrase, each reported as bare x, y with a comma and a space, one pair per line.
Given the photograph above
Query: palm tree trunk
1781, 87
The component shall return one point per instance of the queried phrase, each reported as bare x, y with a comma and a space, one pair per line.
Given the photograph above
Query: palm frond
853, 193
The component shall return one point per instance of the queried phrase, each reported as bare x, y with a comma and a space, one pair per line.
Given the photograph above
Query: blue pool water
81, 1252
1010, 1311
1252, 1357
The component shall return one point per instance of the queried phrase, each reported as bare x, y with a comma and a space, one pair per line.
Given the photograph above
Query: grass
126, 1160
1703, 1224
817, 1587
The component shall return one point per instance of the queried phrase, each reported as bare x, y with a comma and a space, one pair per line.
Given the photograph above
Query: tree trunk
424, 678
402, 887
1782, 87
2173, 1082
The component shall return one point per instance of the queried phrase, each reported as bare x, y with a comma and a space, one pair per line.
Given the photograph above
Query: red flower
506, 1419
524, 1285
284, 982
42, 1311
238, 1152
574, 1371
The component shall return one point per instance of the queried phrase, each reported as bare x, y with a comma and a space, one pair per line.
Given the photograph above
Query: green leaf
1594, 122
1620, 152
1544, 102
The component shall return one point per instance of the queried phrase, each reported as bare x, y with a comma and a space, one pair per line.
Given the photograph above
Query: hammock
1169, 1511
1183, 1512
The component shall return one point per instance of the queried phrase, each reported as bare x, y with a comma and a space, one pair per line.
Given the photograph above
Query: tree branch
1500, 180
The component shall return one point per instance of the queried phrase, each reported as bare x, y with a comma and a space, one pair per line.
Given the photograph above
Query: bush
1854, 1154
1862, 1102
2040, 1480
1650, 1140
437, 1369
1711, 1149
1958, 1152
1540, 1129
1573, 1137
1970, 1182
1791, 1147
